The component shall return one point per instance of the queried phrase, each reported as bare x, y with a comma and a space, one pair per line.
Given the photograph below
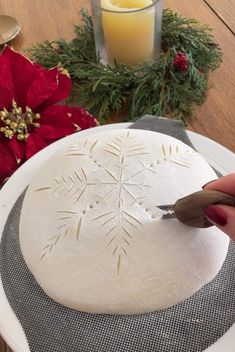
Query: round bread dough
93, 237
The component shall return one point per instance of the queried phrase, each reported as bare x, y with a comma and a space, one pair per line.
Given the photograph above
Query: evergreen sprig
156, 87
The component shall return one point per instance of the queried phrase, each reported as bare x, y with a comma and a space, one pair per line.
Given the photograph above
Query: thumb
223, 216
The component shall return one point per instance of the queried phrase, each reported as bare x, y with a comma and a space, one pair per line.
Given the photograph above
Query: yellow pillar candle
128, 33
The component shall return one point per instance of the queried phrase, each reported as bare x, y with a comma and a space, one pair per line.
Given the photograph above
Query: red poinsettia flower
29, 118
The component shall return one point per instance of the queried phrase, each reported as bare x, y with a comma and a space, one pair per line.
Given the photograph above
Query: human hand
223, 216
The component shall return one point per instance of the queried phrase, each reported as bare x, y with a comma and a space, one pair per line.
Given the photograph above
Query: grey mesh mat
191, 326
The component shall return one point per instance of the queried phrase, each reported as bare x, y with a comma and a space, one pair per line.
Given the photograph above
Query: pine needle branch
156, 87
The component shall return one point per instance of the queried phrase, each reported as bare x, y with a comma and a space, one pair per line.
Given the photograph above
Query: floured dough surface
91, 232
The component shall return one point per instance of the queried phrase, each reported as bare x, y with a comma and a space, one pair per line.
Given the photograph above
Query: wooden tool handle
189, 210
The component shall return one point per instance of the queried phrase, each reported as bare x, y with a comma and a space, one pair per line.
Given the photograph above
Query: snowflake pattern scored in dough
118, 224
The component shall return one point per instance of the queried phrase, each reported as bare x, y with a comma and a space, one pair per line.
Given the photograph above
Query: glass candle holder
127, 31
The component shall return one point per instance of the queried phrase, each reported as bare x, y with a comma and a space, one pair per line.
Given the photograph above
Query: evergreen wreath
170, 85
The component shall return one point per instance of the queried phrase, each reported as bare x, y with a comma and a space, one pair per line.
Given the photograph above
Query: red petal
58, 121
29, 83
82, 118
34, 144
6, 85
62, 91
55, 123
44, 86
7, 161
18, 148
54, 132
23, 73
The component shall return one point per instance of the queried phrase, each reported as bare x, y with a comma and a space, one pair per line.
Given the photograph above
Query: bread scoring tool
189, 210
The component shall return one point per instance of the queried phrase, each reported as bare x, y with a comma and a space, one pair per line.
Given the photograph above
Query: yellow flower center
17, 122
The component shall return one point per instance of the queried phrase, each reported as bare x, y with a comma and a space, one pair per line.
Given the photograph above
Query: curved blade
168, 210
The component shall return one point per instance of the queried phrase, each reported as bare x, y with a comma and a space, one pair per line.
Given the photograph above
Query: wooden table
45, 19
